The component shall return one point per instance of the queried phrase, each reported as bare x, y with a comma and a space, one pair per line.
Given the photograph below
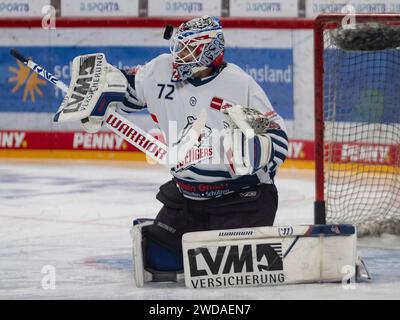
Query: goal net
357, 75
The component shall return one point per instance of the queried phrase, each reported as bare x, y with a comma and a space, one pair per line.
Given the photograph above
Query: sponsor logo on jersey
205, 190
195, 155
236, 265
220, 104
193, 101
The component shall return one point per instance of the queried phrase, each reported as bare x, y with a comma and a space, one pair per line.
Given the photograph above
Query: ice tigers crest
205, 133
198, 152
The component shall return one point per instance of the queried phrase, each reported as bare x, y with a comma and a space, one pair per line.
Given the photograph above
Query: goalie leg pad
268, 255
152, 262
161, 258
139, 273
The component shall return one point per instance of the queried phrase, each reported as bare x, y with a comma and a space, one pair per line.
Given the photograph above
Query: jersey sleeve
132, 102
276, 130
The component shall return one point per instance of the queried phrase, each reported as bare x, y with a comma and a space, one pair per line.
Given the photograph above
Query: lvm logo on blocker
242, 264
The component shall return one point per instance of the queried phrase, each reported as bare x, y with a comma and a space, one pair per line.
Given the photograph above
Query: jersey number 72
170, 89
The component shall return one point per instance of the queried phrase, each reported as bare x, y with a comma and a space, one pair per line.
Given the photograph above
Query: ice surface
76, 216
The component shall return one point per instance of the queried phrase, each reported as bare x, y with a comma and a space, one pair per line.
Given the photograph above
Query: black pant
252, 207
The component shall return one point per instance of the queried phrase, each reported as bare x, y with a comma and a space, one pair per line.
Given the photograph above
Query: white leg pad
269, 255
140, 274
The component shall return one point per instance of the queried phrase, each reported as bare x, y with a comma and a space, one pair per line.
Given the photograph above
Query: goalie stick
131, 133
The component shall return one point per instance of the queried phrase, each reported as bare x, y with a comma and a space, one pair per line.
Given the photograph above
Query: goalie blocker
259, 256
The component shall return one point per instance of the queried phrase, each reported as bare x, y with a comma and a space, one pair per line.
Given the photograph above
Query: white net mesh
362, 128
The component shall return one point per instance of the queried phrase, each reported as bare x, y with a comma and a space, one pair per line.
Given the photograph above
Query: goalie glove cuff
247, 154
262, 148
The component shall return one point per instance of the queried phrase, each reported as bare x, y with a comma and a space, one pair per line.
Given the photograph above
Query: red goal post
338, 111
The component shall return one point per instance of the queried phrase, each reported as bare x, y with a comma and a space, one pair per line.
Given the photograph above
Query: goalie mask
195, 46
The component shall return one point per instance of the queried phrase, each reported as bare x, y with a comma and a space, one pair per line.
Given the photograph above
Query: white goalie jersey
174, 106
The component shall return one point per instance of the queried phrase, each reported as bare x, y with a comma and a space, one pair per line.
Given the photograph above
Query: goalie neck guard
196, 45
